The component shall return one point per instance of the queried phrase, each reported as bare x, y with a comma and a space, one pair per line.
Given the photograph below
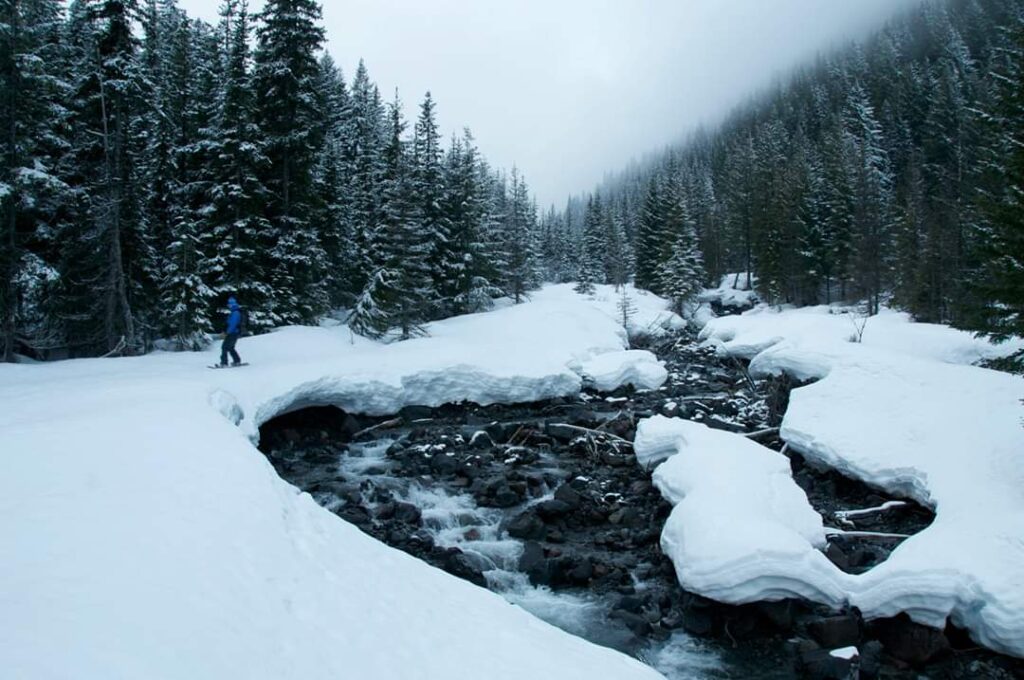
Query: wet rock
506, 498
835, 631
823, 664
534, 564
911, 642
561, 432
407, 513
569, 496
780, 614
552, 509
443, 464
635, 622
413, 413
698, 621
458, 564
527, 526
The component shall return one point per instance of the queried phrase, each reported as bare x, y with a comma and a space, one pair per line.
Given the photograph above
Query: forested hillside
891, 171
154, 164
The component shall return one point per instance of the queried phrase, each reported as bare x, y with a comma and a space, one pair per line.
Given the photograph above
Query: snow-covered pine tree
429, 186
592, 248
468, 285
681, 276
191, 98
649, 234
108, 260
285, 78
520, 240
1001, 281
235, 232
365, 138
332, 176
873, 219
403, 281
33, 119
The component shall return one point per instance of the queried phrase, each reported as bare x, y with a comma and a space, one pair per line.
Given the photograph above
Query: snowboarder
234, 329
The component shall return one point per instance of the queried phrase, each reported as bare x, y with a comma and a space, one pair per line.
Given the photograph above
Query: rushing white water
455, 520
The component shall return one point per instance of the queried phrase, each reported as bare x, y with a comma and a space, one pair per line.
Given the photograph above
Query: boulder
835, 631
527, 526
911, 642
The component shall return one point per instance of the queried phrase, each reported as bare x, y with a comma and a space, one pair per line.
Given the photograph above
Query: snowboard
244, 363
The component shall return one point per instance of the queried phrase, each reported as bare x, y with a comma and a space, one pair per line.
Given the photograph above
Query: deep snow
144, 536
903, 411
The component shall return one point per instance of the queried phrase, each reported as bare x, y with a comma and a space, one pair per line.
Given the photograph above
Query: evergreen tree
33, 121
1001, 280
285, 78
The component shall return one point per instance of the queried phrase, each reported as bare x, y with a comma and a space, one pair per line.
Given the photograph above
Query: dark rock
911, 642
630, 603
871, 658
350, 425
780, 614
698, 621
458, 564
838, 557
636, 623
569, 496
407, 513
527, 526
582, 572
821, 664
561, 432
412, 413
498, 432
552, 509
506, 498
534, 564
835, 631
444, 464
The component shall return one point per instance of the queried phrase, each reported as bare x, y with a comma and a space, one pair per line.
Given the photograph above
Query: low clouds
570, 90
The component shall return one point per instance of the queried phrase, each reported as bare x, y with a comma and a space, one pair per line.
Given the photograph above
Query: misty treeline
154, 164
892, 171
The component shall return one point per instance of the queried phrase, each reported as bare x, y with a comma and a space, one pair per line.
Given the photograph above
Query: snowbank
143, 536
635, 367
901, 412
741, 529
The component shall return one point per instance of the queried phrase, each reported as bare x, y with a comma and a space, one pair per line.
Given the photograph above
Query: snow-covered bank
143, 535
899, 411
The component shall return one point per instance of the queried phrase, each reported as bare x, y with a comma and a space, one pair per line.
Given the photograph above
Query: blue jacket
235, 318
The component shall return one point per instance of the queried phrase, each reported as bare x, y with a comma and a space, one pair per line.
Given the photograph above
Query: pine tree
592, 248
520, 241
285, 77
1001, 280
429, 186
468, 282
32, 118
682, 275
235, 231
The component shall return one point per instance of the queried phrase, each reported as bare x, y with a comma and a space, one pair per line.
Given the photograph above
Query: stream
545, 504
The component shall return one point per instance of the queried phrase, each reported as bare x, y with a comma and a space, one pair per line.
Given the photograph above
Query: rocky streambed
545, 504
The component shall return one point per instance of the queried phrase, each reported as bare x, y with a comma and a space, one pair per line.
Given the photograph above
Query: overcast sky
569, 90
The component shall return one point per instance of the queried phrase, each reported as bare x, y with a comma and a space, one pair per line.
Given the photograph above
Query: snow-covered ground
142, 535
903, 411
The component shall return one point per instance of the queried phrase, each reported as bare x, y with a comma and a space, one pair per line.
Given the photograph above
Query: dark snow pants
229, 347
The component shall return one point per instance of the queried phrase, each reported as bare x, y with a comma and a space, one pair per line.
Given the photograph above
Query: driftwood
394, 422
761, 434
849, 514
595, 433
863, 534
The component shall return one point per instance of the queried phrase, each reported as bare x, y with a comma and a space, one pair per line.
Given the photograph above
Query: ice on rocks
903, 411
144, 536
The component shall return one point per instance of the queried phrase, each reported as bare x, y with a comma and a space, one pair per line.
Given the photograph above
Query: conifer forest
153, 164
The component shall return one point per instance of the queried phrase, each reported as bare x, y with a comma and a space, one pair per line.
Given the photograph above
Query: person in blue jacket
234, 329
